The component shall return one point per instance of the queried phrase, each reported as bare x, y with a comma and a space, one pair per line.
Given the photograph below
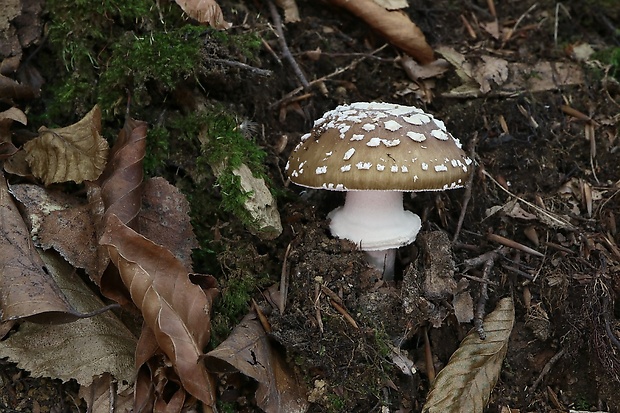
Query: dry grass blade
176, 310
465, 384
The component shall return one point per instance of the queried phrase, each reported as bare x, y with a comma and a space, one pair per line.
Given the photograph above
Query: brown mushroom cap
379, 146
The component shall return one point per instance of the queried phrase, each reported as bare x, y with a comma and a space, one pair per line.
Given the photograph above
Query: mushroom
375, 152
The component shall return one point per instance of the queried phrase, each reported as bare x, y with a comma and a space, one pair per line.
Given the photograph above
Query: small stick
271, 51
336, 72
478, 279
317, 307
468, 189
331, 294
558, 221
513, 244
545, 370
491, 6
256, 70
470, 30
482, 301
344, 313
514, 28
286, 52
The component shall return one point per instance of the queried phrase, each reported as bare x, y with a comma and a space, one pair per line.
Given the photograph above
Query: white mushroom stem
384, 261
377, 222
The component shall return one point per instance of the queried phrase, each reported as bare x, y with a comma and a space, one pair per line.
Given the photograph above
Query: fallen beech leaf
164, 219
73, 153
205, 11
121, 181
465, 384
492, 72
249, 351
103, 395
63, 222
79, 350
11, 89
178, 312
291, 12
7, 149
395, 26
26, 290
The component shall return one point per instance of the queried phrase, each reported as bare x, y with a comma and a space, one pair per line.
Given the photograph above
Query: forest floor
547, 182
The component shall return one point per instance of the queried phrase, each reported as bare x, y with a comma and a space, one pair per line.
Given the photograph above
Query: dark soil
566, 300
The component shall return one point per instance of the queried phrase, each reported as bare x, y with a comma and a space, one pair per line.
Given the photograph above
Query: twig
277, 21
519, 20
513, 244
256, 70
482, 301
344, 313
544, 371
327, 291
558, 221
468, 189
317, 307
336, 72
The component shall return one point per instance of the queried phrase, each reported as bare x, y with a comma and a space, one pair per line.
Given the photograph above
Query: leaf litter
484, 75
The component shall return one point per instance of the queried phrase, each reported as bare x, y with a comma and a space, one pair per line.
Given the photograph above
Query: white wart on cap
379, 146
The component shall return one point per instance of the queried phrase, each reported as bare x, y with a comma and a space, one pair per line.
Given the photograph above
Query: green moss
224, 146
164, 58
111, 50
234, 302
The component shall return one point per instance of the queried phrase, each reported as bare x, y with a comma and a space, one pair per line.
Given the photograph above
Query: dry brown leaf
11, 89
26, 290
105, 394
178, 311
496, 77
249, 351
7, 149
164, 219
205, 11
491, 73
291, 12
63, 222
465, 384
74, 153
121, 181
395, 26
79, 350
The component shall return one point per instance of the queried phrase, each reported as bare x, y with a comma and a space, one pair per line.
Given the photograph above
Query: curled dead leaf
121, 181
291, 12
205, 11
465, 384
176, 310
249, 351
395, 26
74, 153
26, 289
